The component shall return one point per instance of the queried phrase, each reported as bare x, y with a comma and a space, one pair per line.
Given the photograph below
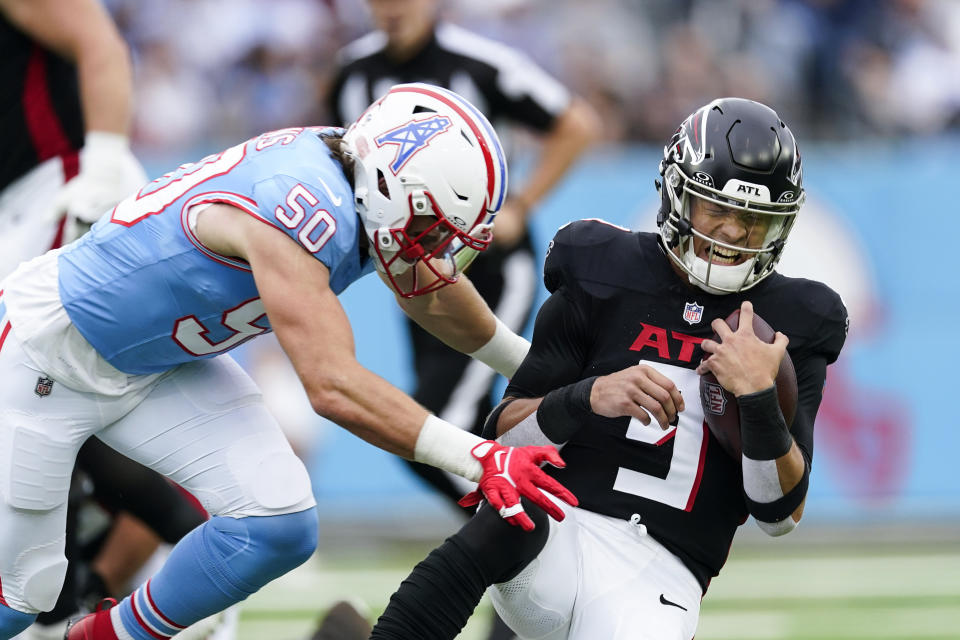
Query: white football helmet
429, 177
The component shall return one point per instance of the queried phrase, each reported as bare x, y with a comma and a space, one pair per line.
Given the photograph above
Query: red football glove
511, 472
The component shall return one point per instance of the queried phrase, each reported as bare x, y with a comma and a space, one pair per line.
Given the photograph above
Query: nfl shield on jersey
692, 312
44, 386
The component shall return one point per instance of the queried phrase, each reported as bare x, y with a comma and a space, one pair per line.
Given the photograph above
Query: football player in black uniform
613, 377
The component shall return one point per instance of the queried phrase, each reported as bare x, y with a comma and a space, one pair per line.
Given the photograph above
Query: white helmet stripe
494, 174
501, 159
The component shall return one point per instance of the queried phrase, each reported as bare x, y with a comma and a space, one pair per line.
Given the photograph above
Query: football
720, 409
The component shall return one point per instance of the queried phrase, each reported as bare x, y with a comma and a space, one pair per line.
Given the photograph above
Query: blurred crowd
834, 69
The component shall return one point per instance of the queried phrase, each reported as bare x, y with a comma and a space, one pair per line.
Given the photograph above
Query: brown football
720, 408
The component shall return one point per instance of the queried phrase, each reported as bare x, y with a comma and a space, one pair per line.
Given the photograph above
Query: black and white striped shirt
505, 84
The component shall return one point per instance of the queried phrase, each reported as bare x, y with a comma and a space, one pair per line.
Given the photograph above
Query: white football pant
203, 425
26, 229
600, 577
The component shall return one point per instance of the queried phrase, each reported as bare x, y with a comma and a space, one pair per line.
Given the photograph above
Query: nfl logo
713, 398
44, 387
692, 312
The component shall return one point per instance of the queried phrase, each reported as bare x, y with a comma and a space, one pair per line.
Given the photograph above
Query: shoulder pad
835, 325
578, 244
826, 330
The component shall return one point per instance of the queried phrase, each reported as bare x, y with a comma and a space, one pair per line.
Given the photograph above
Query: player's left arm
553, 394
461, 319
776, 456
773, 466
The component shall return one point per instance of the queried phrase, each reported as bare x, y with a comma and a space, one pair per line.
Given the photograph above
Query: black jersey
615, 302
40, 115
500, 81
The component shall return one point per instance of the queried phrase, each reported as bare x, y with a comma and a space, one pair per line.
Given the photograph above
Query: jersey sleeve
561, 334
555, 265
558, 348
585, 251
833, 328
303, 211
811, 363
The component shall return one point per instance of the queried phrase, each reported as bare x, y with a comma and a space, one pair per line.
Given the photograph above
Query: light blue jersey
143, 290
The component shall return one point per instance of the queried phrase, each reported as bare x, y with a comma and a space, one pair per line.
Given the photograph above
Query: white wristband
761, 481
442, 445
504, 351
527, 432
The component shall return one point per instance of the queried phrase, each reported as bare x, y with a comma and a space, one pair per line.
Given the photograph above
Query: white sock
118, 627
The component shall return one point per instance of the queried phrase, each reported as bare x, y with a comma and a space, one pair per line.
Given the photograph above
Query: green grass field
767, 591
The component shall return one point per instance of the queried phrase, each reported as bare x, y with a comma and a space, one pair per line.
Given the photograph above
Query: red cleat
93, 626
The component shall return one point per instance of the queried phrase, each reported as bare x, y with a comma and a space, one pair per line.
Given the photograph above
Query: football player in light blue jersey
123, 335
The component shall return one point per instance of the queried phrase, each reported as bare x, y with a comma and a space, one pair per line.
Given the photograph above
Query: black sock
437, 597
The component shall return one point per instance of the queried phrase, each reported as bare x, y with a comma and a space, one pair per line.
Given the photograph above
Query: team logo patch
44, 387
713, 399
412, 137
692, 312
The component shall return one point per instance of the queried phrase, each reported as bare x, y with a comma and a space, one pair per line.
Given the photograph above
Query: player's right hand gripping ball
512, 472
720, 408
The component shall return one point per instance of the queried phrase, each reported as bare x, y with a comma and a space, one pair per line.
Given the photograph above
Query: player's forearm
791, 469
548, 421
368, 406
775, 473
83, 32
376, 411
455, 314
105, 75
512, 411
459, 317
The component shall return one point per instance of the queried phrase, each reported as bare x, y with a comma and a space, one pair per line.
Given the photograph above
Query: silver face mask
679, 234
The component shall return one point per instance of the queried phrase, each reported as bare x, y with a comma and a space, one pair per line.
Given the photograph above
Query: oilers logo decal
692, 312
412, 137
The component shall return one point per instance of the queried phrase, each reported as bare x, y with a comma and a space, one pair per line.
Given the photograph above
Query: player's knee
13, 622
293, 535
504, 548
277, 544
282, 482
534, 607
35, 578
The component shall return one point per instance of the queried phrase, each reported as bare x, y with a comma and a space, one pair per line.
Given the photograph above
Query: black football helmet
739, 154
